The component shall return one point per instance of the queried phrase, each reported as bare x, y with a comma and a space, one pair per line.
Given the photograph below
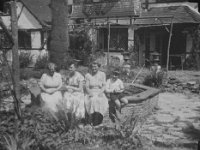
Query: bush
66, 62
28, 73
42, 62
25, 59
190, 63
154, 80
80, 45
41, 130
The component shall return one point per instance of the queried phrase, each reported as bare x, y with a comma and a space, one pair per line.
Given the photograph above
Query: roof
40, 10
180, 14
117, 8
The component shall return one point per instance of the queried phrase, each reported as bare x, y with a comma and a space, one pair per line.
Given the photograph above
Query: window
118, 39
24, 39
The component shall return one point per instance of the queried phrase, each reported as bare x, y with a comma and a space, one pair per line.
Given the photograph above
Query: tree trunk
59, 39
15, 59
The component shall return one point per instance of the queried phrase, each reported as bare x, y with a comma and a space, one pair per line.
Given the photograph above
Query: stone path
176, 123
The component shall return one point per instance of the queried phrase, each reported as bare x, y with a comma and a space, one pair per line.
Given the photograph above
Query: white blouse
114, 86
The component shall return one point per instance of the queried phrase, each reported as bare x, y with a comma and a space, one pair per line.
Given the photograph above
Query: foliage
41, 62
25, 59
18, 142
28, 73
80, 44
43, 130
66, 61
190, 63
154, 80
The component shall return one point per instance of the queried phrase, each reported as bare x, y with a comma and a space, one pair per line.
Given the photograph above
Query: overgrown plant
49, 131
18, 142
41, 62
80, 44
154, 79
25, 59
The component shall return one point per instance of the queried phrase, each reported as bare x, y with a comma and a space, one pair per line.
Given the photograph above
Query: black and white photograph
99, 74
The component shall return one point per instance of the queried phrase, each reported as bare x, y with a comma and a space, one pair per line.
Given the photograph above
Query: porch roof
180, 14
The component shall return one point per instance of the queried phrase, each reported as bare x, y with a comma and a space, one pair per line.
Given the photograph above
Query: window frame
104, 39
27, 38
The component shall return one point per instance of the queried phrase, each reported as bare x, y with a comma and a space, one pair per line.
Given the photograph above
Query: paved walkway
176, 123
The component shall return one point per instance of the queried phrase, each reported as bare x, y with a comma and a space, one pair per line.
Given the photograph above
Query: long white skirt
75, 103
51, 101
96, 104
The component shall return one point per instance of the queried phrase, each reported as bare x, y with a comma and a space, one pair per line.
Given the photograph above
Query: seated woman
74, 96
50, 84
96, 102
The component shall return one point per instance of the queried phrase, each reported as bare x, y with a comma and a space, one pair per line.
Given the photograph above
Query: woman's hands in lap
51, 90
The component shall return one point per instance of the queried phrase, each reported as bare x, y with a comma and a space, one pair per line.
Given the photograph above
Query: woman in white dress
50, 84
96, 102
74, 96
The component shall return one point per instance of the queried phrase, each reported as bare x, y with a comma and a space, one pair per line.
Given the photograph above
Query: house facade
152, 34
33, 31
111, 24
143, 26
116, 26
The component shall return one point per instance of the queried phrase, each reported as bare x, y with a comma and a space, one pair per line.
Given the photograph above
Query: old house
122, 25
153, 33
33, 26
116, 26
110, 21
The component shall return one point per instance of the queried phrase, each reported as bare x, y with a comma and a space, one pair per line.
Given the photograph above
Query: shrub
41, 62
50, 131
25, 59
66, 62
190, 63
28, 73
80, 45
154, 80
